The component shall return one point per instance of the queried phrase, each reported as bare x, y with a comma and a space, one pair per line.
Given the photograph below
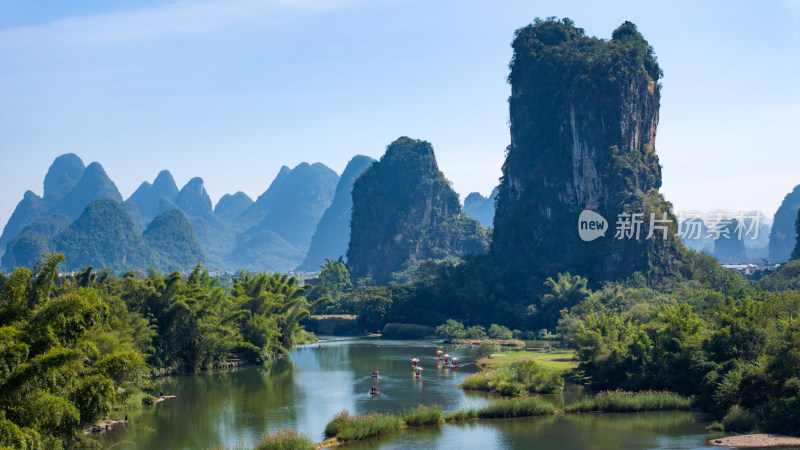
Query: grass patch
560, 360
285, 440
514, 379
423, 415
621, 401
461, 414
521, 407
354, 428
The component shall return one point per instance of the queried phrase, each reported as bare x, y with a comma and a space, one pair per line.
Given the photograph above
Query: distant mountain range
481, 208
166, 228
783, 235
333, 230
302, 218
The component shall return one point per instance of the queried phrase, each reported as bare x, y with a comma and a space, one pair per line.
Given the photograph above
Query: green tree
565, 292
451, 330
476, 332
500, 332
333, 282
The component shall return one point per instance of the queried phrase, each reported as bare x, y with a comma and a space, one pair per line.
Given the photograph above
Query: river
304, 390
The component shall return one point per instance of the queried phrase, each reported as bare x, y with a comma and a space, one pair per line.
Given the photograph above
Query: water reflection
306, 389
587, 431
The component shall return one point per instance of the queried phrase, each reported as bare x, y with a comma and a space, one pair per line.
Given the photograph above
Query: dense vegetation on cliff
403, 209
584, 113
796, 251
105, 236
72, 348
172, 239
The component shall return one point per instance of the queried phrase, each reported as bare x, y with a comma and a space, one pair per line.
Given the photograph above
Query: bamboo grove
74, 347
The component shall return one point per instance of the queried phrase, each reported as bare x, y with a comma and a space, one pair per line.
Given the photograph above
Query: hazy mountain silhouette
332, 234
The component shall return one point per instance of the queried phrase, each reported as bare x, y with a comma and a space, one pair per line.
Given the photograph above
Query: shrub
514, 379
476, 332
500, 332
364, 426
740, 420
285, 440
333, 427
487, 348
509, 388
451, 330
476, 382
423, 415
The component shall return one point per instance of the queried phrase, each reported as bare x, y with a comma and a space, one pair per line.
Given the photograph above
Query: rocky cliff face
333, 230
404, 208
782, 237
584, 113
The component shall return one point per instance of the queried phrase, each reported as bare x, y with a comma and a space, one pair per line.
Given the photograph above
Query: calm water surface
304, 391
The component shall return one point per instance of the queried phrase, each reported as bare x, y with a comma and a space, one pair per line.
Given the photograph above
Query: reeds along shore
346, 427
621, 401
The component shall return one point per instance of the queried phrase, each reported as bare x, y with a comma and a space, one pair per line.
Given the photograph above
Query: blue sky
231, 90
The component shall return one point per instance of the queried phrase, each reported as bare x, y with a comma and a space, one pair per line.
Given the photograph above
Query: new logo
591, 225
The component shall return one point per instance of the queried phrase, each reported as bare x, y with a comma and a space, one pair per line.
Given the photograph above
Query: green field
560, 360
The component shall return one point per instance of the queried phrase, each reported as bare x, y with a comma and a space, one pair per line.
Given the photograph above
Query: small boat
375, 374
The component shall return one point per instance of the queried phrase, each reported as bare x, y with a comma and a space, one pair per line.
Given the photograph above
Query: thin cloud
184, 18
